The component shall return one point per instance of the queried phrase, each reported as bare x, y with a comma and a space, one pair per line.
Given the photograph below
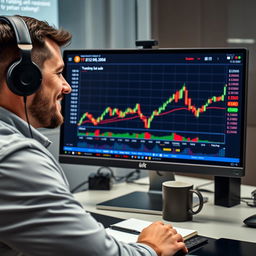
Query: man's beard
40, 111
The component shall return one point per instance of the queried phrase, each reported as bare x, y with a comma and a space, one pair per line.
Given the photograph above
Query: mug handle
201, 201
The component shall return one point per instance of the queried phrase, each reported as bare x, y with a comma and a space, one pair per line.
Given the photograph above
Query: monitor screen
179, 110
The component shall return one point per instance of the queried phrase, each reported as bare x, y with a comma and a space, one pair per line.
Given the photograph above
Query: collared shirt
38, 214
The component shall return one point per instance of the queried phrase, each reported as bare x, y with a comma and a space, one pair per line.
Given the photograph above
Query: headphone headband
19, 27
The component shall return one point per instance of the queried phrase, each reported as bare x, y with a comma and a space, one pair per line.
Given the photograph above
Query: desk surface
213, 221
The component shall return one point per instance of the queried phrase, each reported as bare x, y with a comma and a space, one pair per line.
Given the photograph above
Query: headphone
23, 76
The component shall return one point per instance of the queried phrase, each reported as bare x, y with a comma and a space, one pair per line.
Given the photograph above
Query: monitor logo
142, 165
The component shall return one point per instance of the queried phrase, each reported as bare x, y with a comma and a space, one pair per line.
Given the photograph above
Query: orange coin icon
77, 59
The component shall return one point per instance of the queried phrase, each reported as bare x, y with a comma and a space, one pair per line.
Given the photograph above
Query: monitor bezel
216, 170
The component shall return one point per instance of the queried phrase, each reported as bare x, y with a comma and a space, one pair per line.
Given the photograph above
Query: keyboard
193, 243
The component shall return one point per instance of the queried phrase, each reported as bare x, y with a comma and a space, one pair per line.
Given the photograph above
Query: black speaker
227, 191
23, 76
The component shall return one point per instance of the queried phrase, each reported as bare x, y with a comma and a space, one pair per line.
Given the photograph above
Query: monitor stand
143, 202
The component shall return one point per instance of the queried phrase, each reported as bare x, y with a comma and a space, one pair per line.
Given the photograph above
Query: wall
200, 23
105, 23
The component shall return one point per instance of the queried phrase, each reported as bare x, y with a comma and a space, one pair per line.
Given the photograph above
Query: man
38, 214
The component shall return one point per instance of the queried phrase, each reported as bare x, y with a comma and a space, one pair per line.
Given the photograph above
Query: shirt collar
21, 126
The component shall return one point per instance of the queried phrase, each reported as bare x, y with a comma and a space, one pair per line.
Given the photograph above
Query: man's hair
39, 31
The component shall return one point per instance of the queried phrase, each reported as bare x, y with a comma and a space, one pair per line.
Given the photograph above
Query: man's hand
162, 238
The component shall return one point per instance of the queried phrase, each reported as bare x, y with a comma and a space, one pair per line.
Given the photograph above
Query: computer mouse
251, 221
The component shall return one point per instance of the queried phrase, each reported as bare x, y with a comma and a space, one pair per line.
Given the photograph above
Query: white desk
213, 221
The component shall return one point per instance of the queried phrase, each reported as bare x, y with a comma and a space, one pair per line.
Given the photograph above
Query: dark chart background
149, 108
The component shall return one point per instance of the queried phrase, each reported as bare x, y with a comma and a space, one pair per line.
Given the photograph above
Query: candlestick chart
116, 114
111, 119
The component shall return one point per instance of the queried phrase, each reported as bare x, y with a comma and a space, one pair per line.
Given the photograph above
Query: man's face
45, 107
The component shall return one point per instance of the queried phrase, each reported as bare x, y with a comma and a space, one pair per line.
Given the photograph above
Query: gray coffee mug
177, 201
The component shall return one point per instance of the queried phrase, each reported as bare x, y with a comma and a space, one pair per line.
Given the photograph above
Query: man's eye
59, 73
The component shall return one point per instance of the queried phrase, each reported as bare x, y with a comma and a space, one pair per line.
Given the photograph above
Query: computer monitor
172, 110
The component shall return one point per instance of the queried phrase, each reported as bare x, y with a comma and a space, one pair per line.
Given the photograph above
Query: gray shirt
38, 214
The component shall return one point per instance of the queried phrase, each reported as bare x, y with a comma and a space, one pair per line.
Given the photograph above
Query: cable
105, 167
250, 201
132, 176
26, 113
204, 190
78, 186
129, 178
87, 181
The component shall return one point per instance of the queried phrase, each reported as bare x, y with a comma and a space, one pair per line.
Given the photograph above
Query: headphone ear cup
24, 79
